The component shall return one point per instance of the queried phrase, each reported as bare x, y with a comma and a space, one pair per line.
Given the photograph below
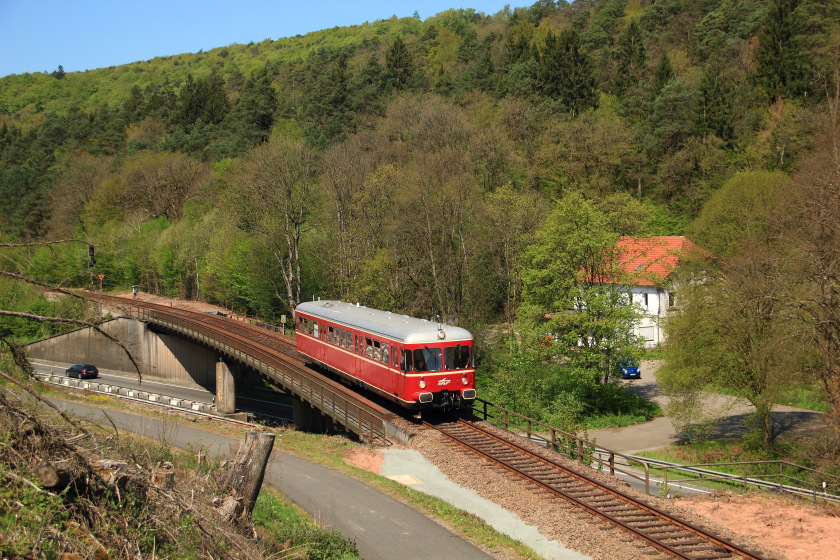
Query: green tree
273, 198
671, 119
783, 61
814, 241
740, 209
326, 104
575, 303
714, 106
399, 66
732, 332
202, 101
565, 72
663, 74
631, 57
253, 115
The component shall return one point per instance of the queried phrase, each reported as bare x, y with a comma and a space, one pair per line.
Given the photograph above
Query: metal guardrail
817, 488
318, 392
589, 453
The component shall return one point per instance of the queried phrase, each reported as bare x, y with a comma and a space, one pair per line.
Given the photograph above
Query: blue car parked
628, 369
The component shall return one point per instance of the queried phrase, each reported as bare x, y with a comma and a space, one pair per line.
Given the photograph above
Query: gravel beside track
555, 518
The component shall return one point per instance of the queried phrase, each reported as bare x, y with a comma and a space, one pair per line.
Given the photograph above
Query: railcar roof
391, 325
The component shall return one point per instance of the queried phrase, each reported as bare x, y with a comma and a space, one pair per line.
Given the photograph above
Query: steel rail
281, 365
524, 460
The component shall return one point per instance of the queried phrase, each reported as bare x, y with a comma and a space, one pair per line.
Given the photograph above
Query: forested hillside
418, 165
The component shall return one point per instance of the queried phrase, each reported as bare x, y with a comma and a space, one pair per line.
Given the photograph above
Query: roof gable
648, 261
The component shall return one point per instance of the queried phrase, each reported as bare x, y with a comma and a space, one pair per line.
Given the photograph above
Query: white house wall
653, 309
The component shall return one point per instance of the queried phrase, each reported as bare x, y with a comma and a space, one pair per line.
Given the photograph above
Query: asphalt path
382, 527
195, 392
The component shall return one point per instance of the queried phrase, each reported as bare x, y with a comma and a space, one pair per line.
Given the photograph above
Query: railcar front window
457, 357
427, 359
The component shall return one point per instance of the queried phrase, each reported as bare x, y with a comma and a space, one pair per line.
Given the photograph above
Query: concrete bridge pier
310, 419
225, 388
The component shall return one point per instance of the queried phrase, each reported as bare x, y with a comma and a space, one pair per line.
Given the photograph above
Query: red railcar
414, 362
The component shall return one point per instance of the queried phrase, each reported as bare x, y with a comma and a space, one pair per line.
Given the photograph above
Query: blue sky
40, 35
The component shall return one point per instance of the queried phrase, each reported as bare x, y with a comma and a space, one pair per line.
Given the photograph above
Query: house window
645, 300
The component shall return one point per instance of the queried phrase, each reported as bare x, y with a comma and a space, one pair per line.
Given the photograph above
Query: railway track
656, 528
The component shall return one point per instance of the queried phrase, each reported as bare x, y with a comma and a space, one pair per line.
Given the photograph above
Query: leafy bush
558, 395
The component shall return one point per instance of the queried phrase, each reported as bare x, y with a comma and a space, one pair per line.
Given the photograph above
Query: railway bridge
189, 347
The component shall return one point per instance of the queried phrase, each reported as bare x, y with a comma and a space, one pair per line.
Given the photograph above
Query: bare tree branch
42, 399
40, 243
14, 276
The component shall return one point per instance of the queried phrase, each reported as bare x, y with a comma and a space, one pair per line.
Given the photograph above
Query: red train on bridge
416, 363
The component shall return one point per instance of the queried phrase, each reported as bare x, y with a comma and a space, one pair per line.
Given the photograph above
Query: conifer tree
398, 64
631, 57
714, 108
664, 73
565, 72
783, 63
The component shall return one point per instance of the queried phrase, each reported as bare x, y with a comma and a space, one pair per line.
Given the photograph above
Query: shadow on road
785, 422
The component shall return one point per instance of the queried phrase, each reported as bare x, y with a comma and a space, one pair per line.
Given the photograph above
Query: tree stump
163, 476
248, 469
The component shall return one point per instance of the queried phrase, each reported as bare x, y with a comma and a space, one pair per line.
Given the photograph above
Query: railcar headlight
422, 383
465, 381
441, 335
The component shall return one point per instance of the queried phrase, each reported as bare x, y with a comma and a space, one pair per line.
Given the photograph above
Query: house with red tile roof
646, 266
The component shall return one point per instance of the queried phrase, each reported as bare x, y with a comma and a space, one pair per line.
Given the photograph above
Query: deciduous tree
574, 300
733, 332
273, 198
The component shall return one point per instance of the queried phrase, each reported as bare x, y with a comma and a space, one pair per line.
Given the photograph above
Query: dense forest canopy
417, 165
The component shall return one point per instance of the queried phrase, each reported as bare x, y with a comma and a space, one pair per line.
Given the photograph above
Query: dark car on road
628, 369
82, 371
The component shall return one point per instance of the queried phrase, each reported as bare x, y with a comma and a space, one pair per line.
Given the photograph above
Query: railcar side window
457, 357
407, 365
330, 335
385, 359
315, 329
368, 348
377, 351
